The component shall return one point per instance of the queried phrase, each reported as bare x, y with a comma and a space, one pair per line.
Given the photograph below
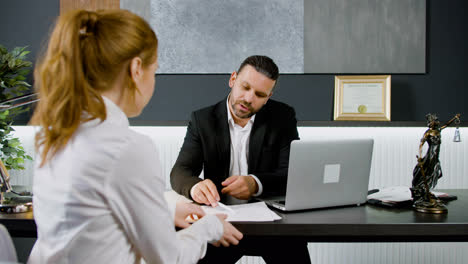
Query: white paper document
250, 212
396, 194
366, 94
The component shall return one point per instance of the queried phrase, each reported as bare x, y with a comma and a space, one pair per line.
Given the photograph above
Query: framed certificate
362, 97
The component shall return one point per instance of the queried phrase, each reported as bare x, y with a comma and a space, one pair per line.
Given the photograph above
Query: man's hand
186, 210
240, 187
205, 192
231, 235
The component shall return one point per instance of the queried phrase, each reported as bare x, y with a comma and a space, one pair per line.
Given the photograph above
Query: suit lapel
223, 137
256, 139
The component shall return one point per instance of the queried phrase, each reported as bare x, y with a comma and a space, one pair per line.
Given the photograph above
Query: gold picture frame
362, 97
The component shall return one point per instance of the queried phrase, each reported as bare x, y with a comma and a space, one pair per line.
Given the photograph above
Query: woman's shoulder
111, 140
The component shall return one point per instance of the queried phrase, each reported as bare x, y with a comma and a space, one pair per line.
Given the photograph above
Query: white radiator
394, 157
381, 253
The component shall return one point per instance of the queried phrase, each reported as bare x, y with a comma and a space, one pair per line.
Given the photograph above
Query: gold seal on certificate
362, 109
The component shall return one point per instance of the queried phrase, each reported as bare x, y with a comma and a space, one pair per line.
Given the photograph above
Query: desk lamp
23, 201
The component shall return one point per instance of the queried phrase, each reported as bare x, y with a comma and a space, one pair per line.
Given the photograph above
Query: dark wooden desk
19, 225
366, 223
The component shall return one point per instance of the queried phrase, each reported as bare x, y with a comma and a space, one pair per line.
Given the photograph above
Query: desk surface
369, 223
365, 223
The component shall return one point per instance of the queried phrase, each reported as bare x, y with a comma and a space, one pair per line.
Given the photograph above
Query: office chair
7, 249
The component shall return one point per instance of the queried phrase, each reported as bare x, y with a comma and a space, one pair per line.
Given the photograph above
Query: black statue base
427, 203
431, 209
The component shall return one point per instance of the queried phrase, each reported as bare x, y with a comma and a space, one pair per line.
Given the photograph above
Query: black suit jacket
207, 146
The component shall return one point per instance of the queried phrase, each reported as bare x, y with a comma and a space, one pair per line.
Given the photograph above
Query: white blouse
101, 200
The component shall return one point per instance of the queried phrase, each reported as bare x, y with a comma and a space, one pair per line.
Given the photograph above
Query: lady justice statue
428, 170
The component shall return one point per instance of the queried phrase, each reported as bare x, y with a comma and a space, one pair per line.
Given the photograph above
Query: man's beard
243, 115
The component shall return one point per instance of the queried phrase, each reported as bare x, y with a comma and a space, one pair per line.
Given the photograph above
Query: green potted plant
13, 71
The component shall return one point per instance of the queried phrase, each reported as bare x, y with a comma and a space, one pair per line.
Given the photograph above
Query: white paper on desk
396, 194
250, 212
392, 194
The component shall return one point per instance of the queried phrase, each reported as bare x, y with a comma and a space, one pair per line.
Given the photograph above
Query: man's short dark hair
262, 64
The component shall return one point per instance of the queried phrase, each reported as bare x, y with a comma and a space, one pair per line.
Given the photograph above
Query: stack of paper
250, 212
392, 194
397, 194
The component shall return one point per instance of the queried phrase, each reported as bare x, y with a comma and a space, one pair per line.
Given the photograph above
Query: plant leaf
24, 53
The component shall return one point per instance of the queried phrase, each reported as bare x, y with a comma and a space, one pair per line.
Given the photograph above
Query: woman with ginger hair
98, 187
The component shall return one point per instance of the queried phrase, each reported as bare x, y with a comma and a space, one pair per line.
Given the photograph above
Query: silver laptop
327, 173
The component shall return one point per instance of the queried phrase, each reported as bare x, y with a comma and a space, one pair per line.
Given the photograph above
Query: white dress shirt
240, 138
101, 200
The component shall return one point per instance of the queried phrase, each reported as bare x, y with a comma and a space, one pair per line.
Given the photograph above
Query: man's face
250, 90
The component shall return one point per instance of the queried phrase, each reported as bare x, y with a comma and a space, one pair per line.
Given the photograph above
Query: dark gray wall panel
364, 36
27, 23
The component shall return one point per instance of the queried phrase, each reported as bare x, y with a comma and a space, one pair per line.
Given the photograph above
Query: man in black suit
242, 144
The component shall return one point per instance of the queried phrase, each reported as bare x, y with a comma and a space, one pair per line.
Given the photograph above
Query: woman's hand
231, 235
185, 212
